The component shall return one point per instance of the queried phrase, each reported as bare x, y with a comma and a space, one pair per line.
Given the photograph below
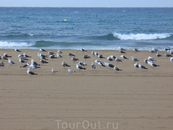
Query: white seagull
10, 61
171, 59
136, 65
124, 57
70, 70
30, 72
141, 66
79, 67
64, 64
17, 50
134, 59
59, 51
151, 58
53, 71
99, 63
116, 68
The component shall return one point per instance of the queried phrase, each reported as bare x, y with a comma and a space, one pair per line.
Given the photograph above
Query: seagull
152, 64
64, 64
136, 50
111, 58
82, 63
70, 70
151, 58
158, 55
25, 66
134, 59
43, 57
50, 53
109, 65
124, 57
153, 50
171, 59
30, 72
141, 66
70, 54
99, 56
59, 51
25, 55
167, 55
167, 49
10, 61
74, 59
122, 50
17, 50
52, 57
79, 67
53, 71
21, 60
93, 53
136, 65
1, 64
99, 63
118, 60
43, 61
93, 65
42, 50
86, 56
58, 55
83, 50
5, 55
34, 65
116, 68
170, 51
96, 54
146, 61
4, 58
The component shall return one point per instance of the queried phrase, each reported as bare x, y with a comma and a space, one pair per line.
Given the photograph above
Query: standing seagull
70, 70
53, 71
30, 72
93, 65
136, 50
1, 64
83, 50
59, 51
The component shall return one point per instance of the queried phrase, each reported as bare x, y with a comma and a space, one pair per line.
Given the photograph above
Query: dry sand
132, 99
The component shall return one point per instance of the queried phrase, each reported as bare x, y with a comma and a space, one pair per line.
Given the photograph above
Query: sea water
88, 28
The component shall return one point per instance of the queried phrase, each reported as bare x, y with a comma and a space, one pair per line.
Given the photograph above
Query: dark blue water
90, 28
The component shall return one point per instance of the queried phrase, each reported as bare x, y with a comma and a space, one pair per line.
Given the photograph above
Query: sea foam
141, 36
14, 44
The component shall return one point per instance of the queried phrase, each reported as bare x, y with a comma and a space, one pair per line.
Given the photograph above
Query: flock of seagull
80, 65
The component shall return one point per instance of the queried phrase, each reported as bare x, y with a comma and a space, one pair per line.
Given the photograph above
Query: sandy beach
131, 99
